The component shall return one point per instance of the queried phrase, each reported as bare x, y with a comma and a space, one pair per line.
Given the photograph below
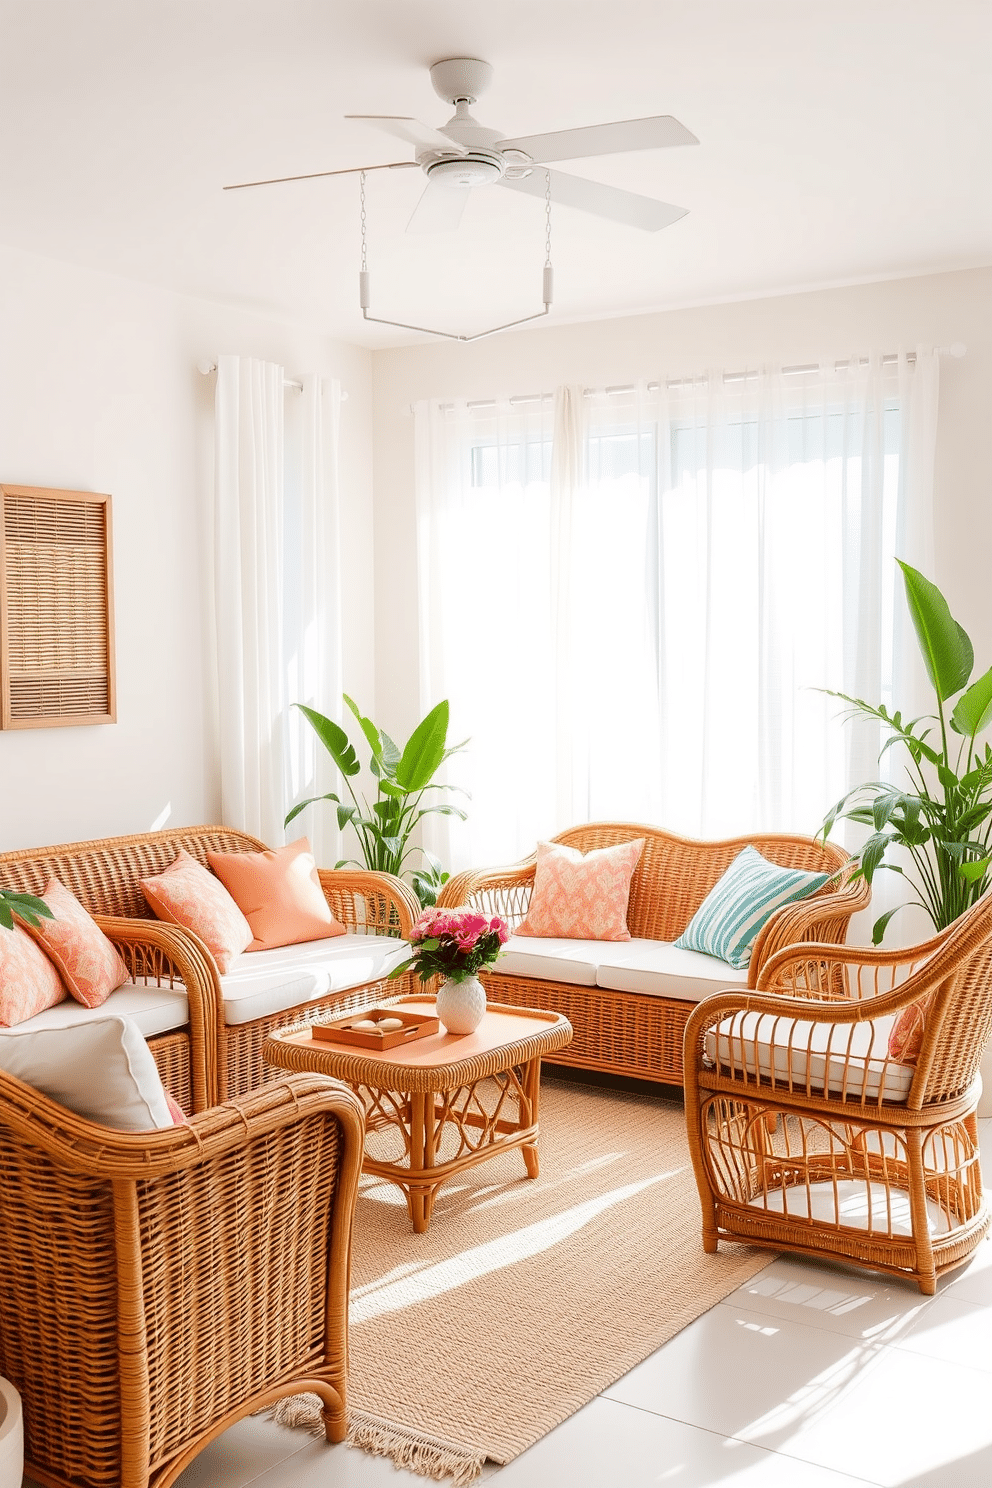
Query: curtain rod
957, 349
288, 382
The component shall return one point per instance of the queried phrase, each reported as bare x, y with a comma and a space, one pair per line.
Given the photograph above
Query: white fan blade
411, 130
600, 200
351, 170
603, 139
439, 209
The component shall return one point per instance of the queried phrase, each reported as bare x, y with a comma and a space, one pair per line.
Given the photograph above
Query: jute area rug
526, 1298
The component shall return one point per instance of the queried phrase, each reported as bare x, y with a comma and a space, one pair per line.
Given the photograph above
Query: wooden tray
343, 1031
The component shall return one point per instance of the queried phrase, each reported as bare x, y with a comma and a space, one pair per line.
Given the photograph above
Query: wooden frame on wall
56, 609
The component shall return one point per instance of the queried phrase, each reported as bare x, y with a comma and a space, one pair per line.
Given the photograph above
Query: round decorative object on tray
460, 1005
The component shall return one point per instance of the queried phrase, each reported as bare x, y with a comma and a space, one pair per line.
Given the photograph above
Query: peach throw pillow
89, 963
578, 897
29, 982
906, 1033
187, 894
279, 893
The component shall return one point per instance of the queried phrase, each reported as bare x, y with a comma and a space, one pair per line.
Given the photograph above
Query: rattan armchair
807, 1134
158, 1286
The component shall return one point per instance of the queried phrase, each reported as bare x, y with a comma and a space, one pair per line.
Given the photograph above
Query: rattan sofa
202, 1055
158, 1286
633, 1033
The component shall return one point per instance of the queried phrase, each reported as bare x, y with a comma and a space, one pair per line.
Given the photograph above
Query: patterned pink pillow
906, 1033
29, 982
187, 894
89, 963
581, 897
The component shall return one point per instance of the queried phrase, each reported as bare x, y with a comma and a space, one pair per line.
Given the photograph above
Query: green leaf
6, 918
881, 924
974, 871
424, 750
346, 813
366, 725
973, 709
311, 801
872, 853
334, 740
947, 652
390, 753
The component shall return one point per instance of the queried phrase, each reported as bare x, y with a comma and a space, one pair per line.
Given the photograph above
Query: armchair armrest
823, 917
369, 903
493, 891
154, 951
831, 972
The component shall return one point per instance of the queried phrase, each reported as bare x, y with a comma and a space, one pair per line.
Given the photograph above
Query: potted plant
385, 825
943, 816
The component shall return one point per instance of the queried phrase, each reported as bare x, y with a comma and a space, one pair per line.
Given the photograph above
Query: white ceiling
841, 140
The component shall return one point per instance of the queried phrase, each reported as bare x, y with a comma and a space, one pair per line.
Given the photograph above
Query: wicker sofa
635, 1026
206, 1032
160, 1285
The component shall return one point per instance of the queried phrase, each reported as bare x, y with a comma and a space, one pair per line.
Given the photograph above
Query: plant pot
461, 1005
11, 1437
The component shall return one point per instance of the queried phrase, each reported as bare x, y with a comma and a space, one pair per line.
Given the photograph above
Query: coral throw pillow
88, 962
906, 1033
29, 982
279, 893
186, 894
581, 897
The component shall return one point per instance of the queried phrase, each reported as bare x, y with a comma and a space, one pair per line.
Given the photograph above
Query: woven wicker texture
794, 1132
217, 1061
529, 1297
628, 1033
157, 1285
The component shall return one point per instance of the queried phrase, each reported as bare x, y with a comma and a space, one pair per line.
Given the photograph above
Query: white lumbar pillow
102, 1069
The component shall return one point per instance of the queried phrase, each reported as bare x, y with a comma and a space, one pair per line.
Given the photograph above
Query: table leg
418, 1201
530, 1087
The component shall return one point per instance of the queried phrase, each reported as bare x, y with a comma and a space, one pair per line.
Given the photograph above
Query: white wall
99, 391
938, 310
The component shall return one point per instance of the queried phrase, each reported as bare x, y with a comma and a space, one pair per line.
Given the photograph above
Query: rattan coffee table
444, 1103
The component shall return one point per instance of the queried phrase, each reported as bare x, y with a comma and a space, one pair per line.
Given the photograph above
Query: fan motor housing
477, 168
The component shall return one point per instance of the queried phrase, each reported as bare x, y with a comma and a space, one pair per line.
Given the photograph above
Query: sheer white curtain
484, 569
638, 623
275, 591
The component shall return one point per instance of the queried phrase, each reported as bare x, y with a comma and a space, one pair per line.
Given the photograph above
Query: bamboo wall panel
56, 608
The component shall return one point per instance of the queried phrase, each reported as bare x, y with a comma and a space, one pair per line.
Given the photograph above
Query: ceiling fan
463, 154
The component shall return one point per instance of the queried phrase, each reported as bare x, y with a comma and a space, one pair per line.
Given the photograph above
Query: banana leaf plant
943, 816
385, 825
22, 907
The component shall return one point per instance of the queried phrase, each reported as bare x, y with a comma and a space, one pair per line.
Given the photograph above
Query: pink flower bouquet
454, 943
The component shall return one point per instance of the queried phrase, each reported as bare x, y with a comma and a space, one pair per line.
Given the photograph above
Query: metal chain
547, 219
361, 179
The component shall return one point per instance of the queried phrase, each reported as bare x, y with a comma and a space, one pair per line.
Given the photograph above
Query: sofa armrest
369, 903
158, 952
492, 891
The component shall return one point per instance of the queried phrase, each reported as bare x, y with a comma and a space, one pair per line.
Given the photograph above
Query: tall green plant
944, 819
385, 825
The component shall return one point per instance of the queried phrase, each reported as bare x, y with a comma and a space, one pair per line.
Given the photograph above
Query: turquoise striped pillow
727, 922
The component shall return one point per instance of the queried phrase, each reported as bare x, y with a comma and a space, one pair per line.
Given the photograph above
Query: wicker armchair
158, 1286
640, 1035
808, 1134
208, 1060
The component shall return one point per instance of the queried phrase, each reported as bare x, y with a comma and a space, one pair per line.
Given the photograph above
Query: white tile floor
811, 1376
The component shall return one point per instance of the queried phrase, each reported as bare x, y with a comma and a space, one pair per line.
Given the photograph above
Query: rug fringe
427, 1456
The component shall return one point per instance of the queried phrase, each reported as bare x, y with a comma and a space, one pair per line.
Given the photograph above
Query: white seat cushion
261, 983
850, 1059
857, 1206
98, 1066
551, 960
152, 1009
650, 966
662, 970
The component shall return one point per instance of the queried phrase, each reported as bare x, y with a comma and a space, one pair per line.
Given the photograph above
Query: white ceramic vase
460, 1005
11, 1437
